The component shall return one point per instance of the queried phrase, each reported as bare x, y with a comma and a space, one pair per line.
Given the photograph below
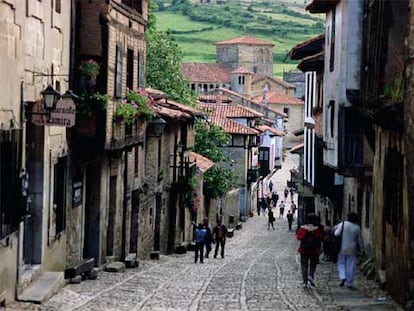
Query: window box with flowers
135, 106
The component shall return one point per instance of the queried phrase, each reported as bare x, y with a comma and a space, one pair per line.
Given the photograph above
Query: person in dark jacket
219, 237
310, 235
289, 217
209, 236
271, 219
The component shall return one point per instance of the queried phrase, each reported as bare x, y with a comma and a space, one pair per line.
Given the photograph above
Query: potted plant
135, 105
89, 68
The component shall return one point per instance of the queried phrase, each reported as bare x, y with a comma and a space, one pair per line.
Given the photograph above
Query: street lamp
50, 96
157, 124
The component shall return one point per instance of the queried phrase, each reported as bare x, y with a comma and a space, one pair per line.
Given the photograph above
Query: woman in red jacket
310, 236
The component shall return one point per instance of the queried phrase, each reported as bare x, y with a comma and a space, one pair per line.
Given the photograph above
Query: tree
163, 71
209, 139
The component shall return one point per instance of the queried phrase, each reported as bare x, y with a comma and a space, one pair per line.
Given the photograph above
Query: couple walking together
205, 236
311, 235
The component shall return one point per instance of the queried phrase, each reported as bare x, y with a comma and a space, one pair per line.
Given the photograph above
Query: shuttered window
118, 73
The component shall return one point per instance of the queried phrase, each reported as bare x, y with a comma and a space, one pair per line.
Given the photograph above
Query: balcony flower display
135, 105
89, 68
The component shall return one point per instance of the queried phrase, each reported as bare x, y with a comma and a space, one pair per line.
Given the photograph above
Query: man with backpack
310, 236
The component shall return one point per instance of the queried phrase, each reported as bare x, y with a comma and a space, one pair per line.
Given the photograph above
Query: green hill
196, 26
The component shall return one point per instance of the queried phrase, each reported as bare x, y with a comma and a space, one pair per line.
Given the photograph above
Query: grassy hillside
197, 27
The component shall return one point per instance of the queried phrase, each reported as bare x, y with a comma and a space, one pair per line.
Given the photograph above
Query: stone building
35, 49
108, 153
253, 54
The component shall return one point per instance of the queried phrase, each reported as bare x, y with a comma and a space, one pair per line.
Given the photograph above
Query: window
9, 182
136, 167
241, 80
134, 4
286, 110
331, 107
140, 73
58, 6
130, 69
58, 207
332, 52
393, 189
118, 73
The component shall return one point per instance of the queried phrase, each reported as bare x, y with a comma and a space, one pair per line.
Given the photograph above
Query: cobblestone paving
259, 272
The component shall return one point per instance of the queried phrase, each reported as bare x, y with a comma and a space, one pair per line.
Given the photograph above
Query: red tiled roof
277, 98
257, 77
231, 111
241, 70
206, 72
202, 162
233, 127
185, 108
172, 113
213, 98
264, 128
282, 114
245, 40
221, 115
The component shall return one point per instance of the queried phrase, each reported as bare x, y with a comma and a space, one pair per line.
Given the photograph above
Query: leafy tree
220, 178
164, 65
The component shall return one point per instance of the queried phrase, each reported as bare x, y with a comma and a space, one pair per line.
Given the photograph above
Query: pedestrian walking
270, 186
289, 217
310, 236
209, 236
264, 206
286, 193
328, 242
271, 219
292, 192
293, 208
275, 198
351, 246
281, 209
219, 237
200, 235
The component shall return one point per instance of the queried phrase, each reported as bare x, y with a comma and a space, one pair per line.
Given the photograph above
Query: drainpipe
125, 206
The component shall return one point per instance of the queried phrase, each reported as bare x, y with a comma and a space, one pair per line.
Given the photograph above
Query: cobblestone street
260, 271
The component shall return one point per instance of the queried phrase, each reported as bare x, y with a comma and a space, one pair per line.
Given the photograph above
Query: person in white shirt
351, 246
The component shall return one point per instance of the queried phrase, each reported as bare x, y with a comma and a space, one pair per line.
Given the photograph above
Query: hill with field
197, 26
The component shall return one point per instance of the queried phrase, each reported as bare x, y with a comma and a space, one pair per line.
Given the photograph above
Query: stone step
31, 273
48, 284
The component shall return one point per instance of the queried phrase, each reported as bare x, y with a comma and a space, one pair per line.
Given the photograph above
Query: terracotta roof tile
233, 127
224, 90
241, 70
202, 162
245, 40
179, 106
206, 72
221, 115
277, 98
264, 128
213, 98
172, 113
257, 77
231, 111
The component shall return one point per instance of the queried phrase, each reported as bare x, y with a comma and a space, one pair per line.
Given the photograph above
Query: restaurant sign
63, 115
